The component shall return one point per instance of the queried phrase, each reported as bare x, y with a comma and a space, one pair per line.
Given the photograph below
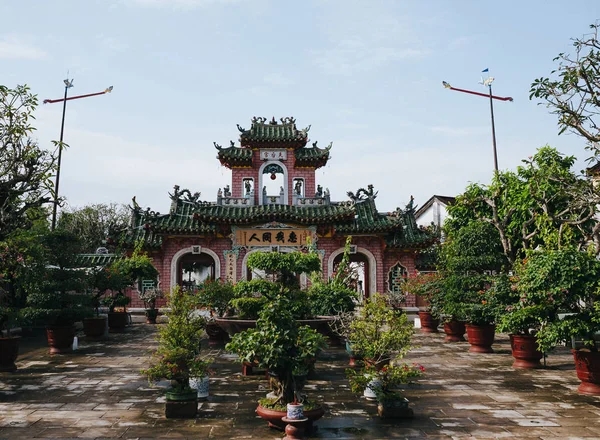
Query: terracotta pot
9, 351
151, 315
117, 321
525, 351
394, 409
481, 337
181, 405
217, 337
429, 324
587, 365
95, 328
455, 331
60, 339
273, 417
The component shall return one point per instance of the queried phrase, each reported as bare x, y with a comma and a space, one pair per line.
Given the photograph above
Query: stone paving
98, 393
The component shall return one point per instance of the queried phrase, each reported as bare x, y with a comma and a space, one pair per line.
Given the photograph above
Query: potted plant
381, 334
177, 357
129, 272
118, 317
215, 297
9, 343
278, 342
558, 302
426, 286
150, 296
381, 385
60, 301
102, 280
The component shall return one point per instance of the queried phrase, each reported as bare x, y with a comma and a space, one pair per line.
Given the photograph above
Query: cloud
14, 48
366, 41
114, 44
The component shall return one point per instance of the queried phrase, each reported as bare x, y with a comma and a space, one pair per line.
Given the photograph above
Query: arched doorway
272, 189
194, 269
359, 276
362, 259
199, 265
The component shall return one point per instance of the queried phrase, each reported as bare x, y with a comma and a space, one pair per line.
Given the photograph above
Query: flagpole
487, 82
493, 130
68, 85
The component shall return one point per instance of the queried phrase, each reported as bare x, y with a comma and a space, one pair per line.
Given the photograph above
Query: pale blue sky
364, 74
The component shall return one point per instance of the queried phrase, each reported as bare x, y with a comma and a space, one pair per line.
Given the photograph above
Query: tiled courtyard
97, 392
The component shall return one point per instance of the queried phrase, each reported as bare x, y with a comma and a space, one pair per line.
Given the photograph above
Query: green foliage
249, 308
137, 267
429, 287
26, 169
331, 298
378, 332
277, 343
94, 224
215, 296
554, 282
284, 267
383, 380
256, 288
572, 92
60, 299
178, 356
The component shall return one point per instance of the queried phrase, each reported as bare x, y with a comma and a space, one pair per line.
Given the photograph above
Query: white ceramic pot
369, 392
201, 385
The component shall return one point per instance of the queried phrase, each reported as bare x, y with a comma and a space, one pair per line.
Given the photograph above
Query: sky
365, 75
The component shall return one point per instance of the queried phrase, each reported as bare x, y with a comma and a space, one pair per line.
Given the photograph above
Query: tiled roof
263, 133
312, 157
321, 214
234, 156
360, 217
90, 260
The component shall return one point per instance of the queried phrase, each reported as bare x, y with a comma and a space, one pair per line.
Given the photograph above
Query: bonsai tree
384, 381
127, 272
278, 342
60, 300
103, 280
550, 284
150, 296
380, 333
215, 296
178, 356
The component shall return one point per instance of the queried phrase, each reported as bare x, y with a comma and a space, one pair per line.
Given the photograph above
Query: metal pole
60, 145
493, 131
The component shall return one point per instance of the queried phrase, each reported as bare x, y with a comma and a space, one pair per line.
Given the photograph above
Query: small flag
485, 70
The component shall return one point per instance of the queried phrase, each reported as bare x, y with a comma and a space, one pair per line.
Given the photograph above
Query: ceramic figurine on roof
289, 211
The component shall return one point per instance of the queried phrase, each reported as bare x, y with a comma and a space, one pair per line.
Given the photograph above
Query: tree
543, 203
25, 169
573, 92
93, 224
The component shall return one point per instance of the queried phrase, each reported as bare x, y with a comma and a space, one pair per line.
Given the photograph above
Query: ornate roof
263, 134
92, 260
359, 215
234, 156
312, 157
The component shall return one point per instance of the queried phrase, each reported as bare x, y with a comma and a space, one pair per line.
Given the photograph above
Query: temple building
274, 204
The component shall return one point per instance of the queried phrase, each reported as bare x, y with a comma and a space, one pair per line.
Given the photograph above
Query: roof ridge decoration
362, 194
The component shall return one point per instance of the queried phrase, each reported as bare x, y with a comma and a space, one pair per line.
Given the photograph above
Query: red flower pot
455, 331
60, 339
9, 350
94, 328
481, 337
117, 321
525, 351
273, 417
587, 365
429, 324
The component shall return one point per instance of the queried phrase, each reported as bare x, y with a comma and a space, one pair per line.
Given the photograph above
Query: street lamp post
68, 85
487, 82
